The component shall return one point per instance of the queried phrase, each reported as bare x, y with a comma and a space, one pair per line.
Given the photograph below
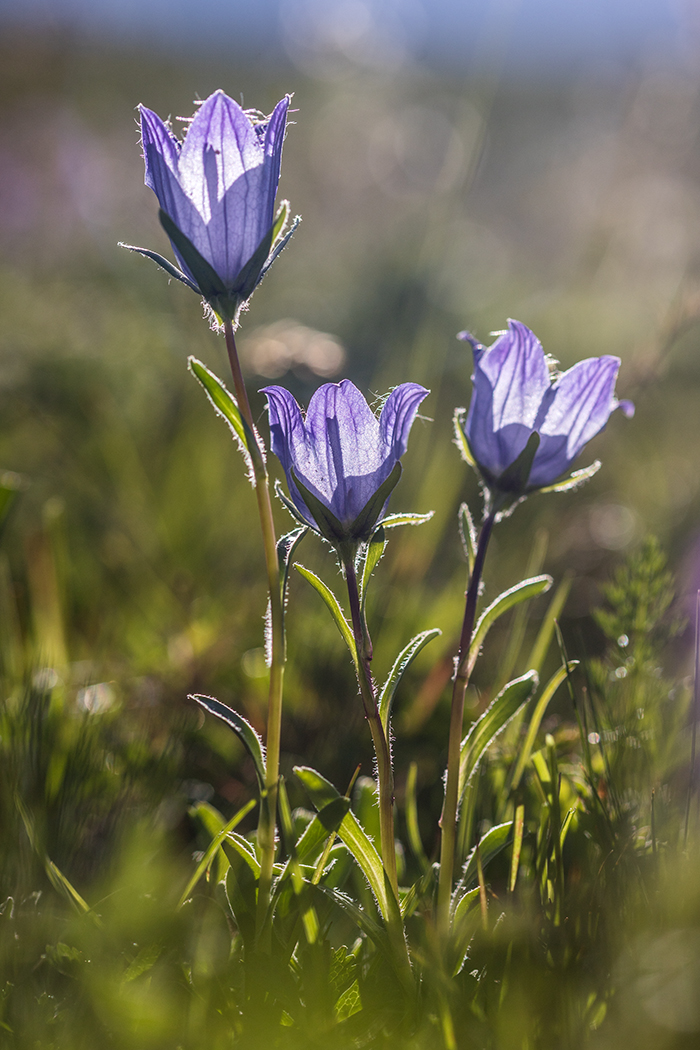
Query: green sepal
362, 526
492, 722
334, 608
328, 525
165, 264
351, 833
521, 592
513, 480
243, 730
225, 405
209, 284
346, 537
291, 507
575, 480
459, 420
391, 521
401, 664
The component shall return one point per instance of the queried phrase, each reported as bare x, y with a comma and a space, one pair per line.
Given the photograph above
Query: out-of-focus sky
537, 36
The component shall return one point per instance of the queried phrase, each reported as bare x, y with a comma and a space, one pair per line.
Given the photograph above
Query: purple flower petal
219, 187
342, 453
513, 396
510, 379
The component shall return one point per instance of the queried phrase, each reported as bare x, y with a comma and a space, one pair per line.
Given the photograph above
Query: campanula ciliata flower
526, 425
341, 461
217, 192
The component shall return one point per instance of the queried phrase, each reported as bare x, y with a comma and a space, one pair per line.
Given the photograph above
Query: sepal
575, 480
164, 264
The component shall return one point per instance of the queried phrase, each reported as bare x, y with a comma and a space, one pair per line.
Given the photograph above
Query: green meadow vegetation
132, 576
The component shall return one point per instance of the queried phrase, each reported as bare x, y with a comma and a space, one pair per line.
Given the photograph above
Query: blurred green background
433, 200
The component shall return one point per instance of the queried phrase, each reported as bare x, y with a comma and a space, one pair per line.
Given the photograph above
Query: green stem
268, 808
385, 772
448, 820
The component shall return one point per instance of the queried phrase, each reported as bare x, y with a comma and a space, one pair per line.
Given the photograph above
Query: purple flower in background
525, 425
341, 462
217, 194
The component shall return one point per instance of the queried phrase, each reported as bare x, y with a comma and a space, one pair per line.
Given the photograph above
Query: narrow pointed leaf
468, 535
414, 839
333, 607
401, 664
224, 404
321, 792
493, 721
213, 848
537, 715
243, 730
244, 849
490, 845
286, 546
546, 631
372, 556
521, 592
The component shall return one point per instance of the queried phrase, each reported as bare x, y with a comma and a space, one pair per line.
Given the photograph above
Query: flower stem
448, 820
268, 806
385, 772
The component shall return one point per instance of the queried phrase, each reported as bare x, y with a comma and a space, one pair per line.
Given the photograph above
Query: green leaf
578, 478
235, 844
241, 892
401, 664
286, 545
209, 283
546, 631
459, 421
491, 844
333, 607
360, 917
412, 828
372, 555
214, 845
321, 792
325, 823
243, 730
537, 715
464, 904
143, 962
164, 264
225, 405
393, 520
521, 592
493, 721
468, 535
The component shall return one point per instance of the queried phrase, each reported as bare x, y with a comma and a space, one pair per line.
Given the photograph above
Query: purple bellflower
341, 462
526, 424
216, 191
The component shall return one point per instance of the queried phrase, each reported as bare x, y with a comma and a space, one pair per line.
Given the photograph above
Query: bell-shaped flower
217, 192
527, 424
341, 461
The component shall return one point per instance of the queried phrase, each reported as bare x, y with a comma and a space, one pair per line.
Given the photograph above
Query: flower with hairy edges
526, 425
216, 191
341, 461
